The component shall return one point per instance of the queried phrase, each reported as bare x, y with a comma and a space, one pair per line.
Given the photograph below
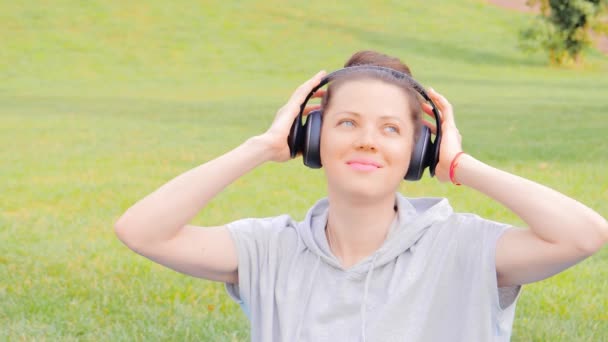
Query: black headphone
306, 138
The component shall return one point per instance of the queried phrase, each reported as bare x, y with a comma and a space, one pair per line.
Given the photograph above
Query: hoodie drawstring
313, 275
370, 272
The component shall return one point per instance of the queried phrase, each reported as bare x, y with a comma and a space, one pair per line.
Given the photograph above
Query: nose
366, 139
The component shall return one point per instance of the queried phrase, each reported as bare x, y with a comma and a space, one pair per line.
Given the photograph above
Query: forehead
369, 96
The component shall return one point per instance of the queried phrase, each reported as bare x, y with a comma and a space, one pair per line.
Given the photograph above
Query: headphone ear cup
420, 155
311, 146
294, 140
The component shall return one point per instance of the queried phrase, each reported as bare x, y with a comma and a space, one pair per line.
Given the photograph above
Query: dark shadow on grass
392, 41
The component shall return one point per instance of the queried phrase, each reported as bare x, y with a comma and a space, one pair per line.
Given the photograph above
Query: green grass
102, 102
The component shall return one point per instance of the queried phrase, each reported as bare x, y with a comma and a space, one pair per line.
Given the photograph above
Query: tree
563, 28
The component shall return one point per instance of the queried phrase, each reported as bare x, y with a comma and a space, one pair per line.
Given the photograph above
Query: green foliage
563, 28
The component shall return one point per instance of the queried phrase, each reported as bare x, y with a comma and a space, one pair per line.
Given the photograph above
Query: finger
299, 95
428, 109
431, 126
309, 109
445, 107
319, 93
438, 99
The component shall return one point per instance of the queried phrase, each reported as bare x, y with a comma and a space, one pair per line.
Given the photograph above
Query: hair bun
368, 57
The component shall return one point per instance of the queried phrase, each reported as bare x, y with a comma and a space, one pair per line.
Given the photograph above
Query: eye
346, 123
391, 129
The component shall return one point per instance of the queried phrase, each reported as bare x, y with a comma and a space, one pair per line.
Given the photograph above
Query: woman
368, 263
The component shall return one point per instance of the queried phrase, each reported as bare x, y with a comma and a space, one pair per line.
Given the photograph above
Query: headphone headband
397, 75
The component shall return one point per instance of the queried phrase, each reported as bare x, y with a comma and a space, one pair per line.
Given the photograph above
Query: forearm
550, 215
160, 215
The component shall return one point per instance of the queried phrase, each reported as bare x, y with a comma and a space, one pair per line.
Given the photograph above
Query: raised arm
561, 231
157, 226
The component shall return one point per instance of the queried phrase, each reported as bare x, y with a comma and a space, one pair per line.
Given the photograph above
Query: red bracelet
453, 167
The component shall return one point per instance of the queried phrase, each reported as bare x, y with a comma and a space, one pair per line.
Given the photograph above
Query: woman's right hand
275, 138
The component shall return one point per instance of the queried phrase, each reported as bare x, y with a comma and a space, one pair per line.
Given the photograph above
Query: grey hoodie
433, 279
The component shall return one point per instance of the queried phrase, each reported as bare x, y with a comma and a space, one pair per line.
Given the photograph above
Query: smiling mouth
362, 166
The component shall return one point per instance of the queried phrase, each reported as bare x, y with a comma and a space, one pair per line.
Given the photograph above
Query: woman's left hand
451, 140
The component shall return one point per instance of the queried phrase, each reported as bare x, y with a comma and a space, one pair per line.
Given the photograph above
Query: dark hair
379, 59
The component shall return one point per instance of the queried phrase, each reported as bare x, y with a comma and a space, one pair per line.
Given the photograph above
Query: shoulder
470, 221
444, 221
274, 223
469, 231
264, 230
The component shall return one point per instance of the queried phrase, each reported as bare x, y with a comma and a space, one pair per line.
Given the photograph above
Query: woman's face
366, 138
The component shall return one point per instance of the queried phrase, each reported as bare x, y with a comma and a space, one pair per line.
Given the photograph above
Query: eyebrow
383, 117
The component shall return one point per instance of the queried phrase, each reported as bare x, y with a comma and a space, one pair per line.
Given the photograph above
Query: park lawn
103, 102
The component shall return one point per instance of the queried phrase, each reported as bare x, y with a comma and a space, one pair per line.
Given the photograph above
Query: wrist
464, 170
260, 148
453, 166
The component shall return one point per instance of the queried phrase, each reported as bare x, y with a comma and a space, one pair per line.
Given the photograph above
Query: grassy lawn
103, 102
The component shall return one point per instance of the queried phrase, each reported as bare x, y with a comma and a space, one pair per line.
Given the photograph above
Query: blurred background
102, 102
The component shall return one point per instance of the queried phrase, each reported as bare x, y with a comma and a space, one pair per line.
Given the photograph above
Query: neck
356, 229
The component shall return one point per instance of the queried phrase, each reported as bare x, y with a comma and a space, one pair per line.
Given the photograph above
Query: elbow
603, 234
120, 230
125, 234
137, 236
596, 240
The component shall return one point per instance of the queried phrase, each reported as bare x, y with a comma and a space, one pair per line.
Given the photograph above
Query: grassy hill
102, 102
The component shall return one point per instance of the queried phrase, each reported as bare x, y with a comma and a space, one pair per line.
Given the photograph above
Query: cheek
327, 146
331, 143
400, 151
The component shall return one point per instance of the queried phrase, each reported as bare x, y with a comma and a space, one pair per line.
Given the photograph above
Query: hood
414, 217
